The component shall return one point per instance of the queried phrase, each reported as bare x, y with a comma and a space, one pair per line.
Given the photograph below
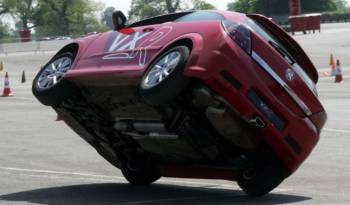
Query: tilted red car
199, 94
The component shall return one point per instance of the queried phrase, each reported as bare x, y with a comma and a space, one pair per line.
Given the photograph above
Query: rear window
263, 32
201, 16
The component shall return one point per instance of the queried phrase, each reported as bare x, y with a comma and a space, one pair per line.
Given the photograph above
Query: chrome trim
280, 81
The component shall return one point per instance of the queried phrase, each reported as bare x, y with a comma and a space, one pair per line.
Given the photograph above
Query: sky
124, 5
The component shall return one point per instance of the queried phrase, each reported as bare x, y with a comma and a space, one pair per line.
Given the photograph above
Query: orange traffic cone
338, 74
331, 60
333, 63
2, 66
7, 90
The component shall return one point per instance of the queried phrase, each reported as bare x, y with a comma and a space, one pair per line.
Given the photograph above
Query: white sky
124, 5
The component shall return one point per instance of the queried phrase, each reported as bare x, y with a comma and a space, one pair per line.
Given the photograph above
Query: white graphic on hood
135, 45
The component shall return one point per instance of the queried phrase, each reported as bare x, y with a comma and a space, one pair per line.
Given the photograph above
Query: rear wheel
49, 86
261, 180
164, 80
140, 172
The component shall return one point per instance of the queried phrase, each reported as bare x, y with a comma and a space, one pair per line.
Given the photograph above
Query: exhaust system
257, 122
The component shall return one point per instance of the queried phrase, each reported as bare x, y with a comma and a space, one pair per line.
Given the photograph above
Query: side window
201, 16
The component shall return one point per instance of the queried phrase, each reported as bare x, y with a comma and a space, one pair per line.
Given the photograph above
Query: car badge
290, 75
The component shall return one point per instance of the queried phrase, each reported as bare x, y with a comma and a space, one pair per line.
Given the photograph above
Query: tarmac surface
44, 162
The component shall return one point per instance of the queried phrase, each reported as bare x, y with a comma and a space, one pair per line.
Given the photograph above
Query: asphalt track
44, 162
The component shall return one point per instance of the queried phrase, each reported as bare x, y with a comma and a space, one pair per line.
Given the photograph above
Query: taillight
239, 34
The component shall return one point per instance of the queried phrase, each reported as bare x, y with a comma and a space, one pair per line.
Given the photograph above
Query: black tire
59, 92
141, 172
170, 87
262, 180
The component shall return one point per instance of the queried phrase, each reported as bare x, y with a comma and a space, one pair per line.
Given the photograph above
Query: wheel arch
70, 48
194, 42
179, 42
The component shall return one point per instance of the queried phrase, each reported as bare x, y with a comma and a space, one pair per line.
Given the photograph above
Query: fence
14, 45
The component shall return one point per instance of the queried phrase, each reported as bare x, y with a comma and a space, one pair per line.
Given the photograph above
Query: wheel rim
162, 69
53, 73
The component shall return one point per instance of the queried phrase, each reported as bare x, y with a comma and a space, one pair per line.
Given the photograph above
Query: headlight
239, 34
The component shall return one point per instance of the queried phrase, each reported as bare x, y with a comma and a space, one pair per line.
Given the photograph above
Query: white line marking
122, 179
104, 176
337, 130
59, 172
53, 177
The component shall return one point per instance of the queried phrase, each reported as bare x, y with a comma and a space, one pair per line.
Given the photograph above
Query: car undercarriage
198, 127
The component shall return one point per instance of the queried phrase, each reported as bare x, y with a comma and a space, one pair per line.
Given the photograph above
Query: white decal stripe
131, 49
117, 42
132, 44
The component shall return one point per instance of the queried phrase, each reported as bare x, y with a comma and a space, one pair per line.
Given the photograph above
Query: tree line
281, 7
51, 17
78, 17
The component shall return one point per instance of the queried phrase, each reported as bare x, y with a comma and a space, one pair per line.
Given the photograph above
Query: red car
198, 94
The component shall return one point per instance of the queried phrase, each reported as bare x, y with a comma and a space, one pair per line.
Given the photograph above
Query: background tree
83, 18
244, 6
68, 17
341, 4
172, 5
6, 6
60, 9
202, 5
5, 31
308, 6
141, 9
280, 7
25, 11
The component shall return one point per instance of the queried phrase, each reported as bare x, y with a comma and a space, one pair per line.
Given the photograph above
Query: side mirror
119, 20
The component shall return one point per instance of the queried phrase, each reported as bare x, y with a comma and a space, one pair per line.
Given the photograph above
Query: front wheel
164, 80
49, 86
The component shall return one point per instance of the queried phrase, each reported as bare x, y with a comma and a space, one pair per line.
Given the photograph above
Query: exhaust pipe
257, 122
